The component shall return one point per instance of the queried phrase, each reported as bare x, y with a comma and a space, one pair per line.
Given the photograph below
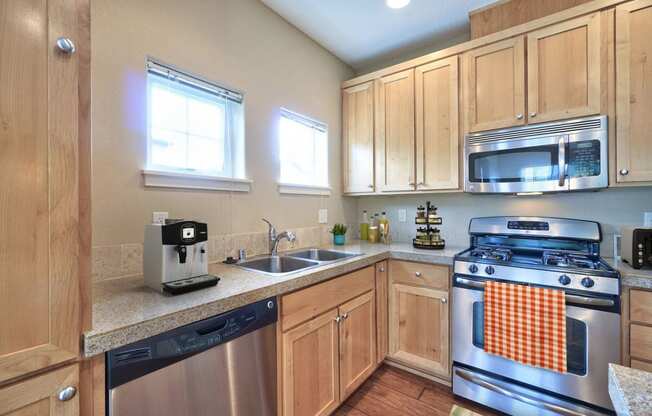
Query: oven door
520, 165
590, 348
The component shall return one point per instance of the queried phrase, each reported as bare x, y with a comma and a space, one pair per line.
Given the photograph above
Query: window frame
286, 187
233, 176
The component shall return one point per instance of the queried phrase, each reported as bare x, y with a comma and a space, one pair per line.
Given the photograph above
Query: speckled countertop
126, 311
632, 277
630, 391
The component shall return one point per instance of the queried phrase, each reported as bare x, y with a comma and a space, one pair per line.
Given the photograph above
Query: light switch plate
159, 217
647, 219
323, 216
402, 215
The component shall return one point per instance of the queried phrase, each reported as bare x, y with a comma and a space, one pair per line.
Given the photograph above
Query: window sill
163, 179
292, 189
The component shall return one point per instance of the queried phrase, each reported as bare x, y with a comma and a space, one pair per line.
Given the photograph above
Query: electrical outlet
159, 217
402, 215
647, 219
323, 216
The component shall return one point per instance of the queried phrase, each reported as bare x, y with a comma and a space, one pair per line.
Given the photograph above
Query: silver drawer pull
67, 393
66, 45
444, 300
417, 274
581, 300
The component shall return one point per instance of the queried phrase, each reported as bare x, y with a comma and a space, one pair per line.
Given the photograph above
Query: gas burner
491, 253
561, 259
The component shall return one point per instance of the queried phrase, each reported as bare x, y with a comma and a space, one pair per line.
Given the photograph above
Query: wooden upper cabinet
395, 132
357, 342
634, 91
494, 77
39, 396
563, 68
437, 125
39, 213
358, 138
310, 367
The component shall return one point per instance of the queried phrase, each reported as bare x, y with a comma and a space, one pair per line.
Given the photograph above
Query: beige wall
239, 43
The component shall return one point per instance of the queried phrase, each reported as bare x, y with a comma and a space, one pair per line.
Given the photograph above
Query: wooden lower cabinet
39, 396
357, 342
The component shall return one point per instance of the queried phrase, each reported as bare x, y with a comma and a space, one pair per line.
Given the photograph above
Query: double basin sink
294, 262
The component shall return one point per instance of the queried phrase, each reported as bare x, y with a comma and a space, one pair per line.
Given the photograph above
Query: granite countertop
630, 391
631, 277
126, 311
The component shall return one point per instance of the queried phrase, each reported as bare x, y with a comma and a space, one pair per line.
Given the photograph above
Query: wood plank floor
394, 392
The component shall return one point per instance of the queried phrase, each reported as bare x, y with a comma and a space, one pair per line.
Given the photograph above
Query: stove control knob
564, 280
587, 282
473, 268
489, 270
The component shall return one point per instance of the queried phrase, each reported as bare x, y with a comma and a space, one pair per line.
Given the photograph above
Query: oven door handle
465, 375
580, 300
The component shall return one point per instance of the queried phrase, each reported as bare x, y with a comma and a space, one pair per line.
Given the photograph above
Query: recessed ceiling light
397, 4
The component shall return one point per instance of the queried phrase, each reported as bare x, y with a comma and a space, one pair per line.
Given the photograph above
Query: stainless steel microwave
549, 157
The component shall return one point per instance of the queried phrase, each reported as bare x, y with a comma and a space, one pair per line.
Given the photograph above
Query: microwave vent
548, 129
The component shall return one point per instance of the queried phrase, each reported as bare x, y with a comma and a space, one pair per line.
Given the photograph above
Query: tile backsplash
123, 260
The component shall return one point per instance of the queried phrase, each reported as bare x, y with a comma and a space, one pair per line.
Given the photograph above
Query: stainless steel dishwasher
224, 365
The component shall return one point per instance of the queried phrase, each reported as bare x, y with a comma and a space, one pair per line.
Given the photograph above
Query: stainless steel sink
321, 255
278, 265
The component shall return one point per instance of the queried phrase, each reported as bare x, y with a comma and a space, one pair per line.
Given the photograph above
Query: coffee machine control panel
184, 233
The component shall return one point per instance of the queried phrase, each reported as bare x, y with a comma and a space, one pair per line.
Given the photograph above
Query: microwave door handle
563, 166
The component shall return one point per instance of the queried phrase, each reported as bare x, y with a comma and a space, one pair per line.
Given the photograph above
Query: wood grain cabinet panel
395, 132
39, 209
640, 306
38, 396
357, 342
634, 91
418, 328
419, 274
310, 367
495, 85
437, 125
382, 305
563, 67
358, 138
640, 342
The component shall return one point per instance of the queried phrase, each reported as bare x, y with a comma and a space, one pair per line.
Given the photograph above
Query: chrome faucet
273, 238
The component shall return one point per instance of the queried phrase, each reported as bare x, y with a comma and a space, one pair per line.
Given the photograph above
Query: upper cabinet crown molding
563, 67
634, 92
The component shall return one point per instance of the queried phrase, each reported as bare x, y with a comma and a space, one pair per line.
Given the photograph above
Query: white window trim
165, 179
293, 189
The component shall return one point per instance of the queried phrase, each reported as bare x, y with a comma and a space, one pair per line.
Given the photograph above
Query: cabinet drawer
419, 274
641, 342
307, 303
640, 309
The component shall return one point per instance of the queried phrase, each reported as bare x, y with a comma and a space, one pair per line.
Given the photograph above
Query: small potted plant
339, 230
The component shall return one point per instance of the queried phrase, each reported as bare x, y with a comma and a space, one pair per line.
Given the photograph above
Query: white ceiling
363, 33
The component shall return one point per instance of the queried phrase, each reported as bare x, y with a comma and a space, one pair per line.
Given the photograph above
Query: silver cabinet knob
382, 270
624, 172
417, 274
533, 114
66, 45
338, 319
519, 116
345, 315
67, 393
444, 300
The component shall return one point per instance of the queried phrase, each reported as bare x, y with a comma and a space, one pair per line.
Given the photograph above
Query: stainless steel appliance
224, 365
636, 246
175, 257
548, 157
548, 252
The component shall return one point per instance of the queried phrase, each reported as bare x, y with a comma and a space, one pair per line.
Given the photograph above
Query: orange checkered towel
526, 324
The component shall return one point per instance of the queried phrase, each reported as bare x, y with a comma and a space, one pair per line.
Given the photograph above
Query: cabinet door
495, 85
418, 328
634, 91
382, 304
395, 131
563, 67
39, 396
358, 138
357, 342
39, 213
437, 109
310, 367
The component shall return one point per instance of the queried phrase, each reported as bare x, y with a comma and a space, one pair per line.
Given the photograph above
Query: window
195, 128
303, 154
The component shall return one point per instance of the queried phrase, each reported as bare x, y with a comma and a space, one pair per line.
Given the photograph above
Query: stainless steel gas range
548, 252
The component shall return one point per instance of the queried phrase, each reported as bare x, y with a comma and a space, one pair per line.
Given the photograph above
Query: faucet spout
274, 238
